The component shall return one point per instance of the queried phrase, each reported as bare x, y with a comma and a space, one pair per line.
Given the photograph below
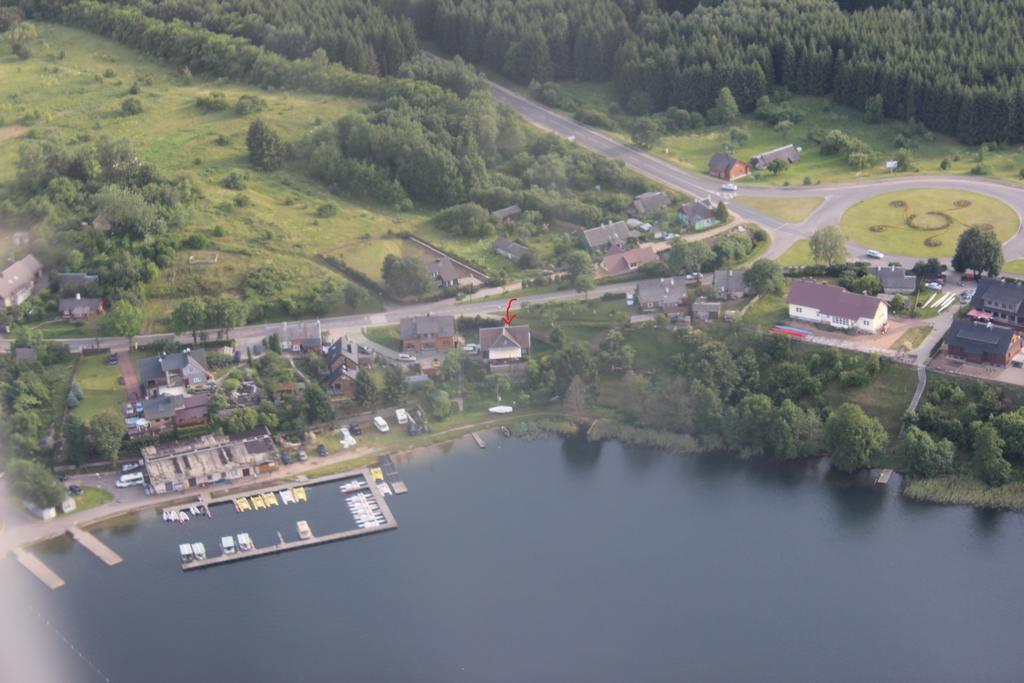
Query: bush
215, 101
326, 210
242, 200
250, 104
130, 106
234, 181
981, 169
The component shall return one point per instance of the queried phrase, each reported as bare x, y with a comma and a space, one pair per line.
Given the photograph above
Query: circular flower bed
932, 220
898, 204
933, 242
878, 228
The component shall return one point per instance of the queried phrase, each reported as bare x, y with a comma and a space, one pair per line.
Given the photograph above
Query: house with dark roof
705, 310
698, 215
506, 344
78, 308
306, 335
985, 343
344, 359
184, 369
834, 306
513, 251
448, 274
894, 279
624, 262
648, 202
18, 280
1002, 300
612, 236
508, 213
657, 295
789, 153
729, 284
428, 333
727, 167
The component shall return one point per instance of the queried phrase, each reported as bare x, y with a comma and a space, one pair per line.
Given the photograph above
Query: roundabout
925, 222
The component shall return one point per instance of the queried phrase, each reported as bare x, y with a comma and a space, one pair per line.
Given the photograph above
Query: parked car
321, 450
302, 456
629, 299
355, 429
730, 187
937, 286
75, 490
130, 467
872, 253
471, 348
112, 359
286, 459
406, 357
381, 424
133, 479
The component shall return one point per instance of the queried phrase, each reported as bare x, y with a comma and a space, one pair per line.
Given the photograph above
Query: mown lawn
580, 321
1015, 266
99, 383
385, 335
790, 209
886, 397
767, 311
91, 498
797, 255
912, 338
931, 209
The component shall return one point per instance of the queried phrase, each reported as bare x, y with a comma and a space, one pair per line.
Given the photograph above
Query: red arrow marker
509, 317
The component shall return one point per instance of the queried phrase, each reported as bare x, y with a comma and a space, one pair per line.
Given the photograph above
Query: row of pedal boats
181, 516
197, 551
269, 499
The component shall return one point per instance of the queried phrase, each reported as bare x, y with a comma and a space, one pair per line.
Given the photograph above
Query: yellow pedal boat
257, 503
299, 494
270, 499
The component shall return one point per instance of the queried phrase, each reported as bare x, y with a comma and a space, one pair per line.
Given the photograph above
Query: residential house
624, 262
726, 167
790, 154
428, 333
895, 279
448, 275
513, 251
305, 336
344, 359
507, 214
210, 459
978, 342
705, 310
77, 281
506, 344
18, 280
698, 215
612, 236
184, 370
157, 416
729, 284
1001, 300
656, 295
79, 308
836, 307
648, 202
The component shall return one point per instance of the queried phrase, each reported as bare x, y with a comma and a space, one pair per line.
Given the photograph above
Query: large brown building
428, 333
977, 342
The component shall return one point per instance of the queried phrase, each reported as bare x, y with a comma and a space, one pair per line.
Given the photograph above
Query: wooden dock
883, 477
479, 440
390, 472
40, 570
95, 546
284, 546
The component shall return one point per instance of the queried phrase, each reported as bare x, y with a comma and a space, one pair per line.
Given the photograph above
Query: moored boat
199, 551
186, 552
257, 503
270, 499
227, 545
305, 533
286, 496
300, 494
244, 542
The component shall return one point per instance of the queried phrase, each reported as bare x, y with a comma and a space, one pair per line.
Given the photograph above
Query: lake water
551, 560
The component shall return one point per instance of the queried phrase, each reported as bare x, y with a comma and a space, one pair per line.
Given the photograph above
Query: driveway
132, 386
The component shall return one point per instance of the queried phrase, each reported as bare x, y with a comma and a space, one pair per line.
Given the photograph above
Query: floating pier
479, 440
883, 477
390, 471
95, 546
284, 546
40, 570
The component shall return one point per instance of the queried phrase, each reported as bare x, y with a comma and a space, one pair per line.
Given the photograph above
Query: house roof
980, 338
154, 367
623, 262
1003, 293
161, 407
707, 306
443, 269
304, 331
517, 250
19, 274
894, 277
76, 279
833, 301
666, 291
617, 232
78, 306
721, 162
26, 353
787, 153
507, 212
423, 325
730, 282
698, 210
208, 457
505, 337
649, 201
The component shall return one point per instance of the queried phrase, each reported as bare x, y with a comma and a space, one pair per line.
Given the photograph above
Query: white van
133, 479
401, 416
872, 253
381, 424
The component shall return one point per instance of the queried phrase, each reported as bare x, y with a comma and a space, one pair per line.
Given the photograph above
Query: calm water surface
553, 560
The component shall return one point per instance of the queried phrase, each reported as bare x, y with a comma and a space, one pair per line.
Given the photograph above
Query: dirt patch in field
8, 132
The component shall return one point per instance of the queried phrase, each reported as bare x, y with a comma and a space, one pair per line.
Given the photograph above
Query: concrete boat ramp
49, 577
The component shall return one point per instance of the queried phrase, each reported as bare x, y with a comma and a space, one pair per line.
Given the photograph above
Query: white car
730, 187
937, 286
629, 299
406, 357
381, 424
872, 253
133, 479
471, 348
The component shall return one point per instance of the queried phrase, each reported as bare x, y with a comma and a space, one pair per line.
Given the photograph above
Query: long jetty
95, 546
38, 569
284, 546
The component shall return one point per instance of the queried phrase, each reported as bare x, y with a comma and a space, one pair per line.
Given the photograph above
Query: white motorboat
199, 551
227, 545
500, 410
186, 552
244, 542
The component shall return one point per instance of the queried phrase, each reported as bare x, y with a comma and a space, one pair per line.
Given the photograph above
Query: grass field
385, 335
882, 221
92, 497
1015, 266
912, 338
797, 255
579, 321
791, 210
886, 397
99, 383
768, 310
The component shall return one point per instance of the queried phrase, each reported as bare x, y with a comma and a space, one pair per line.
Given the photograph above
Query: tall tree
124, 319
828, 245
189, 316
853, 437
987, 451
924, 456
35, 483
266, 150
978, 249
765, 277
366, 389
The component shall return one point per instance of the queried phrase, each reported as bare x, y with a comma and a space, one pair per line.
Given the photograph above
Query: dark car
286, 459
321, 450
75, 490
112, 359
62, 477
355, 429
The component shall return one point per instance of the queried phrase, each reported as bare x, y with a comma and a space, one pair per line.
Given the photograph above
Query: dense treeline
954, 65
356, 33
